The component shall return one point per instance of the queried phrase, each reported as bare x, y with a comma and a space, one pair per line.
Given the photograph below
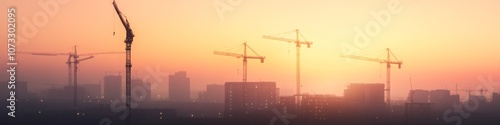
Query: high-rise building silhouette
442, 99
214, 94
419, 96
437, 96
288, 103
455, 98
141, 89
245, 98
179, 87
319, 107
112, 87
473, 99
365, 94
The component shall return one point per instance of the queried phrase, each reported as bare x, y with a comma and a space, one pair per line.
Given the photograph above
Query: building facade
112, 87
361, 93
418, 96
179, 87
248, 98
214, 94
141, 89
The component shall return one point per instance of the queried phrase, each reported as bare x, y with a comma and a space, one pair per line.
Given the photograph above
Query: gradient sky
440, 42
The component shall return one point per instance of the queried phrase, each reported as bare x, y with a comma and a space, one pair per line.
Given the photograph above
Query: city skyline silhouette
443, 55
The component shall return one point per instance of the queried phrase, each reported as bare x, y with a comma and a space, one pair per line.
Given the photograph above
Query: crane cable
237, 66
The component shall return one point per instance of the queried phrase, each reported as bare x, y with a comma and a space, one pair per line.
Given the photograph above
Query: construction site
182, 74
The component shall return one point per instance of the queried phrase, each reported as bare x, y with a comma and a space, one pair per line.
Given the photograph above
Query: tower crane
244, 56
469, 91
129, 38
76, 60
481, 91
471, 94
387, 61
298, 45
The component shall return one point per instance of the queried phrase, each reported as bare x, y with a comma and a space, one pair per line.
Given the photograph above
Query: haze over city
446, 44
441, 43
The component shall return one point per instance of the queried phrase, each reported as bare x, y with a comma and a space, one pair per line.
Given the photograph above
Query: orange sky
441, 42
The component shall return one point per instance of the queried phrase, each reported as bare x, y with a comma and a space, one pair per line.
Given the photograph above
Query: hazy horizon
441, 43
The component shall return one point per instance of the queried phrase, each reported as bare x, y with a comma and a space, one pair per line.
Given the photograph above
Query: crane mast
128, 59
69, 69
75, 86
388, 66
298, 45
